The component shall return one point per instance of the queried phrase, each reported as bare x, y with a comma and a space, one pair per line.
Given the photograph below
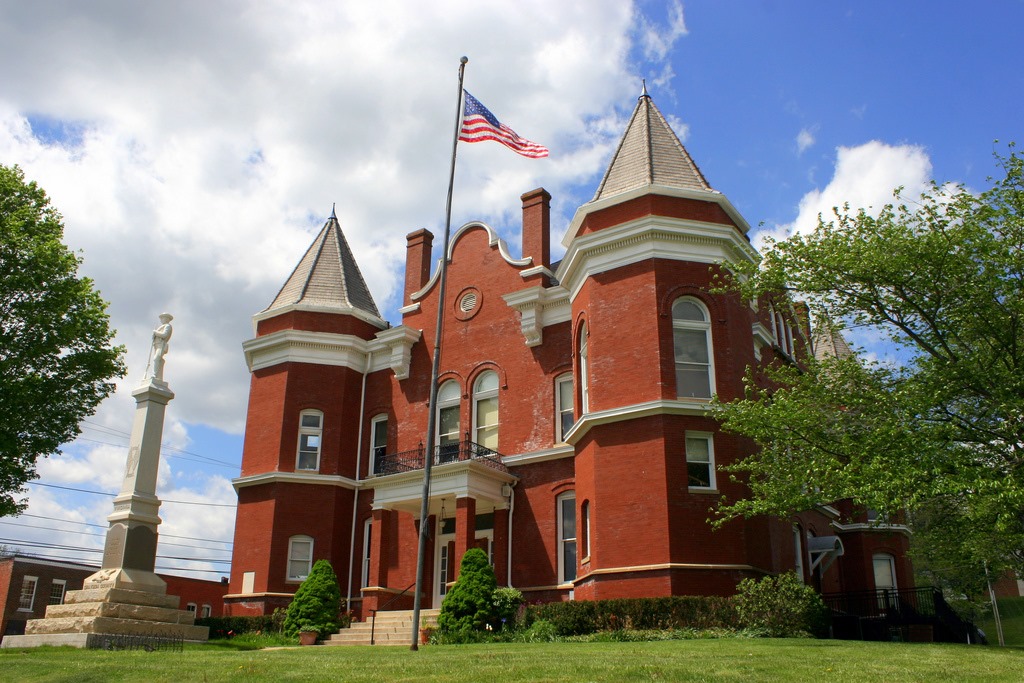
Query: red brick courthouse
574, 442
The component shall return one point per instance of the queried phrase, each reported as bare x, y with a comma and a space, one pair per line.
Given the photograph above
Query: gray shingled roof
650, 154
829, 342
327, 276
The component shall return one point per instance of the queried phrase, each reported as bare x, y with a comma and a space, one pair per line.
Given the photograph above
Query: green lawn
1011, 612
684, 660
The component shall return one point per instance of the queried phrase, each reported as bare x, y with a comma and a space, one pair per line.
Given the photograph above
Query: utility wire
89, 533
57, 546
111, 495
105, 526
111, 430
160, 567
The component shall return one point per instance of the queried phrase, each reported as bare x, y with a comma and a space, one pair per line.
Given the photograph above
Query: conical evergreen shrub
469, 605
316, 604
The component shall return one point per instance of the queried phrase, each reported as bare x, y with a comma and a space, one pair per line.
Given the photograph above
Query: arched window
564, 418
300, 557
367, 539
448, 421
585, 529
311, 424
584, 372
691, 331
485, 410
378, 443
566, 536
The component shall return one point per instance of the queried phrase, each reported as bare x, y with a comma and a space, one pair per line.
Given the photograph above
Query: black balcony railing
460, 451
875, 615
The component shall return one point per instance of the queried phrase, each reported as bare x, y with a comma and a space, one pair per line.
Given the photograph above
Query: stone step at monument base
121, 596
392, 628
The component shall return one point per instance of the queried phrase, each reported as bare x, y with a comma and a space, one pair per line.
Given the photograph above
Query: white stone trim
556, 453
466, 478
633, 412
873, 528
762, 338
493, 241
650, 237
411, 308
700, 195
398, 342
312, 308
295, 478
663, 566
539, 307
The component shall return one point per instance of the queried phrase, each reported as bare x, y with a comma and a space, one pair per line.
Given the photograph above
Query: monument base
126, 579
95, 617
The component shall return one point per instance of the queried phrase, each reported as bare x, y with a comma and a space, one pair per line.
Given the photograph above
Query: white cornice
634, 412
650, 237
391, 348
699, 195
295, 478
901, 529
493, 241
311, 308
539, 307
556, 453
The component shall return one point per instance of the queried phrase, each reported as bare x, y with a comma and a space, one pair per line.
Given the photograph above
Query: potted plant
313, 612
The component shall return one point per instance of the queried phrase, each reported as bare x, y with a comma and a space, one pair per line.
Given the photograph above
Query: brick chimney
417, 261
537, 226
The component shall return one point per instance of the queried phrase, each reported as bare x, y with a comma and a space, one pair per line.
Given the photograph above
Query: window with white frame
585, 528
207, 612
367, 544
448, 396
584, 372
700, 461
378, 442
57, 590
885, 571
485, 410
691, 333
566, 537
28, 593
564, 418
310, 434
191, 607
300, 557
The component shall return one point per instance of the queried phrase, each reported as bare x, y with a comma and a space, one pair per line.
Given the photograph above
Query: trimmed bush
574, 618
469, 605
781, 606
316, 604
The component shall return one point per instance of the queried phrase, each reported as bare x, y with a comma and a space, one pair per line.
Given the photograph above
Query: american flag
479, 124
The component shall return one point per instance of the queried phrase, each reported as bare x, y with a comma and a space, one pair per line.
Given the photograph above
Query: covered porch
470, 499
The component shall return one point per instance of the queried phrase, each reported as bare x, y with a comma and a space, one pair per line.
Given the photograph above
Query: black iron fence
148, 642
460, 451
887, 614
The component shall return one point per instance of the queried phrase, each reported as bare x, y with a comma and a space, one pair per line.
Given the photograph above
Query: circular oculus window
468, 303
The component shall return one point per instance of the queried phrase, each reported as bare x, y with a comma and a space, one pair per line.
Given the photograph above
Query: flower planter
307, 637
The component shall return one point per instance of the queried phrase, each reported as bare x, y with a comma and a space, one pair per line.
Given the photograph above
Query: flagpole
428, 456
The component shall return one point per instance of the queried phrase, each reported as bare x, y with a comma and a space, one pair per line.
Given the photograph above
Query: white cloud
658, 40
804, 140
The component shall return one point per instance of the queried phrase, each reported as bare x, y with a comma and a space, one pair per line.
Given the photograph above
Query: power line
160, 567
105, 526
204, 461
79, 549
111, 495
112, 431
87, 533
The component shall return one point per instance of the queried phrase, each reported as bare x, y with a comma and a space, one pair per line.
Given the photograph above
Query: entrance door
444, 562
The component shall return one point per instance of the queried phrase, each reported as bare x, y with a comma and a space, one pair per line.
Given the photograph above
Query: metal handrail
373, 612
460, 451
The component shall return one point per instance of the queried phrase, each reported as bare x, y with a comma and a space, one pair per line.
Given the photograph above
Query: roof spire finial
644, 93
333, 215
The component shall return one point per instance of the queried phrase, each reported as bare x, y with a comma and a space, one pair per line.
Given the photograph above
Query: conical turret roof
650, 154
327, 277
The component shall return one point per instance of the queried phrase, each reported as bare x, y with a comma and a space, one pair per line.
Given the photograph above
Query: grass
732, 659
1011, 613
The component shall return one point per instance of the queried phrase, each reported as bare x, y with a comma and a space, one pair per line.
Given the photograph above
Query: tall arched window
367, 544
564, 418
691, 331
584, 372
448, 421
310, 431
378, 443
485, 410
566, 536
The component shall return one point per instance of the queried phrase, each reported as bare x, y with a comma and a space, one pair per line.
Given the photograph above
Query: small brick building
29, 584
574, 442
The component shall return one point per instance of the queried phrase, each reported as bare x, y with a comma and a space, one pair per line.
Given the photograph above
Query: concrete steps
391, 628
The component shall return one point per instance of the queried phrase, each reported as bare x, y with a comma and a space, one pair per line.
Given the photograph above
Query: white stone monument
126, 597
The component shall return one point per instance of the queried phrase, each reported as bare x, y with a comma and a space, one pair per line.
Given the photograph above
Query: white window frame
563, 407
191, 607
63, 585
891, 565
25, 605
704, 326
206, 612
378, 432
584, 372
564, 539
583, 545
367, 546
798, 550
309, 431
291, 576
480, 395
709, 438
451, 402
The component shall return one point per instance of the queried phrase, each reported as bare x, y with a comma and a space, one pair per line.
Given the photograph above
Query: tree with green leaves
939, 436
316, 604
57, 361
469, 605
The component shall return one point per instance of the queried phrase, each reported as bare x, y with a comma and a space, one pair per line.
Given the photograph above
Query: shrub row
225, 627
581, 617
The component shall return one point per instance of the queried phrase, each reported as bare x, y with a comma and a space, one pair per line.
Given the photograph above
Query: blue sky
194, 149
